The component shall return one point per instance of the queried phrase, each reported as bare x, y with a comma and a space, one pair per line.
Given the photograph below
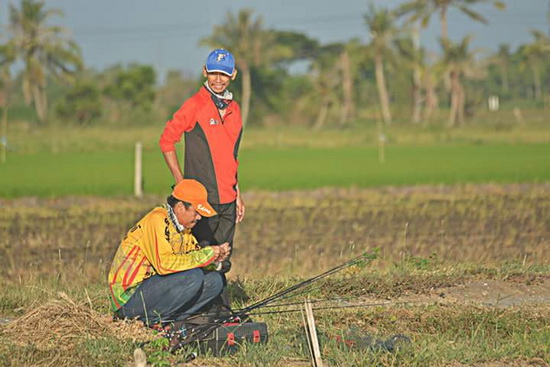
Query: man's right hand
171, 159
221, 252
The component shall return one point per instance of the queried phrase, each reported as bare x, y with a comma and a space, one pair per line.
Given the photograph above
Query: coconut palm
7, 57
422, 10
352, 55
244, 35
332, 71
382, 30
430, 76
412, 58
327, 78
43, 50
502, 60
533, 57
458, 61
348, 107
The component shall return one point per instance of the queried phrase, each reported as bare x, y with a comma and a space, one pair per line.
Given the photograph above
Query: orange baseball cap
194, 193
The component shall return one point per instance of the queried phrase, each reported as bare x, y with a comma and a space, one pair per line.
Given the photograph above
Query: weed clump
63, 324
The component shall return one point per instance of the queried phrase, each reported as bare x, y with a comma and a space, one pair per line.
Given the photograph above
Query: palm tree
458, 61
422, 10
7, 57
382, 30
245, 37
502, 60
352, 54
412, 58
43, 49
348, 107
326, 79
430, 75
533, 56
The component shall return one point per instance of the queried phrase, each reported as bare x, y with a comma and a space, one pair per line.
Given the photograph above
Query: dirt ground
497, 293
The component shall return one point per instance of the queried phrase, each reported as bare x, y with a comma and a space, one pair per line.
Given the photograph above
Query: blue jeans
173, 297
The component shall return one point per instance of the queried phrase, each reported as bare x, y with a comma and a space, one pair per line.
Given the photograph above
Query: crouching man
159, 273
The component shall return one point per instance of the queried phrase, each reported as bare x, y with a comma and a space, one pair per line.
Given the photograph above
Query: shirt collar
173, 219
226, 95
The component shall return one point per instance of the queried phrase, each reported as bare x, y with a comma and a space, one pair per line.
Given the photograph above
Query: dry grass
62, 323
306, 231
65, 332
485, 224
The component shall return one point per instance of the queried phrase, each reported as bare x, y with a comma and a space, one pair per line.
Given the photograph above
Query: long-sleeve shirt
153, 246
211, 144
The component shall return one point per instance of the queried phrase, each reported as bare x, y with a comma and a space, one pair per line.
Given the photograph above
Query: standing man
212, 126
159, 273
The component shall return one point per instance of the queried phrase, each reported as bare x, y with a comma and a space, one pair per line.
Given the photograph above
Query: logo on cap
206, 210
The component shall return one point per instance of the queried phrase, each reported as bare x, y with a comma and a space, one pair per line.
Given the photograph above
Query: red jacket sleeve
183, 120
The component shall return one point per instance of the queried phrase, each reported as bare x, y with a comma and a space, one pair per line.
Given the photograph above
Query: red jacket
211, 144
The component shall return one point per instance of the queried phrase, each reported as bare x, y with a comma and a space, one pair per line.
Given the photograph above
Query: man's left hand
240, 209
225, 251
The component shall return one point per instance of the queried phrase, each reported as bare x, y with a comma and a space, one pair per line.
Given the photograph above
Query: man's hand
171, 159
240, 209
221, 252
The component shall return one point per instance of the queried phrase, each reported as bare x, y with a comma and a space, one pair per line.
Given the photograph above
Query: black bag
224, 338
227, 338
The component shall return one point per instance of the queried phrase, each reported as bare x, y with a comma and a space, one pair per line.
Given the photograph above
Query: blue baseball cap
220, 60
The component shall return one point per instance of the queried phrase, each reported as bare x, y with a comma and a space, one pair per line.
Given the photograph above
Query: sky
166, 33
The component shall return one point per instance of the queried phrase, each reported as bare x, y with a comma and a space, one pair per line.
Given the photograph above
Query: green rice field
110, 173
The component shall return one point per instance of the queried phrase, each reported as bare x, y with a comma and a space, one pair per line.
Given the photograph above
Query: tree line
338, 83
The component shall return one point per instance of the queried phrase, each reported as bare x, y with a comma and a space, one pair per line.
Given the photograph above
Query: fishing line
359, 305
202, 331
309, 289
306, 282
313, 301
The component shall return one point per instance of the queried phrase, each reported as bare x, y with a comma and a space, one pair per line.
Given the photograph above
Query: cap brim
204, 209
218, 70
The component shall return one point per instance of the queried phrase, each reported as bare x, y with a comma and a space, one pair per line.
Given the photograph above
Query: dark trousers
217, 230
173, 297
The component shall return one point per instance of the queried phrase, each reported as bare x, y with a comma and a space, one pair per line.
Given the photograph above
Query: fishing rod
341, 302
310, 289
306, 282
203, 331
292, 310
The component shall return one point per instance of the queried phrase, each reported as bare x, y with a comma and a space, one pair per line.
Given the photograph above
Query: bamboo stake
138, 188
4, 135
312, 332
307, 337
381, 141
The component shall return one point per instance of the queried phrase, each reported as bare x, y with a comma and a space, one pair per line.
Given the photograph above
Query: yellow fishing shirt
153, 246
